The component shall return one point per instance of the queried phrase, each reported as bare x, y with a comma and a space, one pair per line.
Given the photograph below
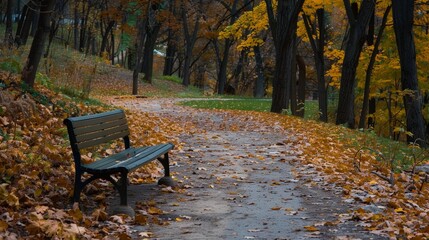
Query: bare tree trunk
302, 78
283, 26
371, 63
8, 36
259, 90
25, 21
38, 45
403, 25
76, 25
358, 25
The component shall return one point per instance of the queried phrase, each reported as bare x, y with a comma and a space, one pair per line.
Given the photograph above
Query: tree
365, 104
317, 42
403, 17
283, 27
38, 44
25, 21
358, 22
223, 59
8, 31
190, 36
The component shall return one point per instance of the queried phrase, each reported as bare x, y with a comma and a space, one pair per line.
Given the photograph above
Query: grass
248, 104
261, 105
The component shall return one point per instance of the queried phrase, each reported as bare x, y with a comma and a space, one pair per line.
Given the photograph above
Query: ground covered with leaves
37, 168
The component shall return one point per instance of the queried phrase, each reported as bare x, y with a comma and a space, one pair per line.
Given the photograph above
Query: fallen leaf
311, 228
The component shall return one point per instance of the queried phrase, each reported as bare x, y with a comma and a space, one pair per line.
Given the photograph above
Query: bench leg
123, 188
77, 187
166, 180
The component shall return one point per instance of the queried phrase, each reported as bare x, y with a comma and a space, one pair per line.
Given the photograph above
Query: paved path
240, 184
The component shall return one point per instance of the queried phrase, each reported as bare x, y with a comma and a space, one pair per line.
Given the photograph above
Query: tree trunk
139, 52
358, 26
259, 90
283, 27
151, 36
25, 21
37, 47
8, 36
318, 47
170, 54
76, 25
105, 37
403, 25
293, 84
190, 39
302, 78
371, 63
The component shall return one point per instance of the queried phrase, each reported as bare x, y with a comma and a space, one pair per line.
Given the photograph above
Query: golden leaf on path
123, 236
399, 210
145, 234
276, 208
311, 228
99, 215
154, 211
178, 219
41, 209
12, 200
3, 226
140, 219
373, 182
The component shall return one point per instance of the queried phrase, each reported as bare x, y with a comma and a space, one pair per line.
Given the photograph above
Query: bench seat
129, 159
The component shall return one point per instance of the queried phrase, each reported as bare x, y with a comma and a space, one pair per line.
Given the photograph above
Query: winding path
240, 183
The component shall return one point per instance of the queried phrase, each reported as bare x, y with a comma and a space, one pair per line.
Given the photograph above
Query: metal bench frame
96, 129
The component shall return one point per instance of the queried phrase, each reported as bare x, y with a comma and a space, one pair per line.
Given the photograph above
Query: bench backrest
92, 130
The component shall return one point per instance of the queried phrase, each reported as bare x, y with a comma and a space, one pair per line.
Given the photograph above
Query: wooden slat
142, 156
149, 157
113, 159
96, 118
101, 133
94, 128
102, 140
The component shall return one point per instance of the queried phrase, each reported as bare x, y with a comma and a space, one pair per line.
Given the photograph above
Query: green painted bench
92, 130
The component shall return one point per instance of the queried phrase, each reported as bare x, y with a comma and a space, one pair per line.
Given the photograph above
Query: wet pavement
239, 181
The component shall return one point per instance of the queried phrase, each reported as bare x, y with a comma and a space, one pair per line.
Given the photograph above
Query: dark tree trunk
170, 55
8, 36
151, 36
25, 21
223, 64
302, 79
293, 82
190, 39
38, 45
171, 43
139, 52
112, 47
403, 25
358, 25
76, 25
259, 90
283, 27
34, 23
238, 69
371, 63
105, 37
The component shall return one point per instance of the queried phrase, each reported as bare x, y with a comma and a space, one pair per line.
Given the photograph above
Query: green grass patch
248, 104
260, 105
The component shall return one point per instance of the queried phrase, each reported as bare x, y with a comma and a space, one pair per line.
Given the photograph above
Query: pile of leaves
37, 168
393, 203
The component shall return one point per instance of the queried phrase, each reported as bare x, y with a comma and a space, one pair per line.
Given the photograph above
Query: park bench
96, 129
